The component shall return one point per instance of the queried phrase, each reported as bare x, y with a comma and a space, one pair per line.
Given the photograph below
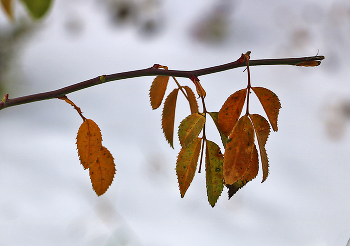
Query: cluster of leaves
240, 162
93, 155
36, 8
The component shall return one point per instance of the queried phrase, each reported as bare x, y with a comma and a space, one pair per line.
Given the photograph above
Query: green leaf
214, 174
190, 128
37, 8
214, 116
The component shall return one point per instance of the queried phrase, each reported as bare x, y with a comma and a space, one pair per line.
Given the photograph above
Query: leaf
270, 103
238, 150
89, 143
309, 64
231, 110
250, 174
191, 99
37, 8
157, 90
190, 128
186, 165
214, 175
102, 171
168, 116
7, 6
262, 131
214, 116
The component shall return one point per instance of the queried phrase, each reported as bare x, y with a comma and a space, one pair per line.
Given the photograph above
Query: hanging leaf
270, 103
250, 174
191, 99
231, 110
157, 90
168, 116
214, 116
214, 175
262, 131
186, 165
89, 143
7, 6
238, 150
102, 172
190, 128
37, 8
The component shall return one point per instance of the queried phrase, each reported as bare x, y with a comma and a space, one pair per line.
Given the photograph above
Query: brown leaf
238, 150
157, 90
191, 99
270, 103
186, 165
168, 116
7, 6
249, 175
89, 143
214, 175
262, 131
102, 172
231, 110
190, 128
309, 64
214, 116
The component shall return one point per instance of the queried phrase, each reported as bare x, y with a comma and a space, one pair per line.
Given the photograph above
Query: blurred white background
45, 195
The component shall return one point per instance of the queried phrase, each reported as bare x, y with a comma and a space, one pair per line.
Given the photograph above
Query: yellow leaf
157, 91
102, 171
250, 174
190, 128
262, 131
214, 175
7, 5
238, 150
168, 116
214, 116
186, 165
191, 100
270, 103
89, 143
231, 110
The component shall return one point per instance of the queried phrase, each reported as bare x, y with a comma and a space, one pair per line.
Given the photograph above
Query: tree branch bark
153, 71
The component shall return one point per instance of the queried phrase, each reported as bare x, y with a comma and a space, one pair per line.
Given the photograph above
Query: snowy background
45, 195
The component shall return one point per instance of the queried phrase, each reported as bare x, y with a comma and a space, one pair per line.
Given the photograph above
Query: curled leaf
191, 100
214, 175
262, 131
270, 103
186, 165
168, 116
157, 90
102, 171
190, 128
238, 150
231, 110
89, 142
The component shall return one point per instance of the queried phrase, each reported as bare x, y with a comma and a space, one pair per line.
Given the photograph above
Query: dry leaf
191, 100
238, 150
186, 165
214, 116
190, 128
102, 171
157, 90
270, 103
89, 143
168, 116
231, 110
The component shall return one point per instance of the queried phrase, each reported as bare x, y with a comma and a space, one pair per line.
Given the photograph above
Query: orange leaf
89, 143
102, 171
309, 64
190, 128
191, 100
238, 150
214, 176
168, 116
157, 90
250, 174
7, 5
186, 165
231, 110
214, 116
262, 131
270, 103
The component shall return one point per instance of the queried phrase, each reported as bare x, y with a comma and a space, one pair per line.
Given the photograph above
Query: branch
153, 71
